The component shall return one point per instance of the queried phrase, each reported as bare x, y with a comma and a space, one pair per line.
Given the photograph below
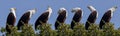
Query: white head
13, 11
49, 10
76, 9
32, 12
112, 10
61, 10
91, 8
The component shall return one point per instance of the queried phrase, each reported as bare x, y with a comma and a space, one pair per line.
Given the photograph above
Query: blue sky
23, 5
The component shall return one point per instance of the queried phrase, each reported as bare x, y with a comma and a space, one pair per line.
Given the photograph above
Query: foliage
27, 30
64, 30
45, 30
79, 30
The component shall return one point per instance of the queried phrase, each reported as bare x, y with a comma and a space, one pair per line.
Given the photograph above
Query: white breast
97, 15
111, 14
14, 13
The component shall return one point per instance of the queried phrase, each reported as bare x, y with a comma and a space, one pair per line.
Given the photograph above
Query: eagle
43, 18
92, 17
77, 16
25, 18
61, 17
11, 19
107, 16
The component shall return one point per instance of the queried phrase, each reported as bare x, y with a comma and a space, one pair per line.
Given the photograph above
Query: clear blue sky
23, 5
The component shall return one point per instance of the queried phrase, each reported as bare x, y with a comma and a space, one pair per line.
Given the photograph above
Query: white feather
97, 15
82, 13
49, 10
111, 14
61, 9
112, 10
76, 9
32, 12
13, 11
91, 8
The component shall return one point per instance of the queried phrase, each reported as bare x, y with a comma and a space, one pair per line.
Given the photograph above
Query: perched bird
77, 16
61, 17
43, 18
11, 19
107, 16
92, 17
25, 18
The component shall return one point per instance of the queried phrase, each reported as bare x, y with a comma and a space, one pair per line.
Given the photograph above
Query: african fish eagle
77, 16
61, 17
107, 16
11, 19
43, 18
92, 17
25, 18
